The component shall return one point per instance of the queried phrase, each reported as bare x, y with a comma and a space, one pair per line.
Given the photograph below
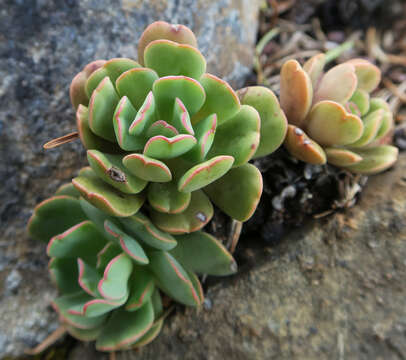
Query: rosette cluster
334, 118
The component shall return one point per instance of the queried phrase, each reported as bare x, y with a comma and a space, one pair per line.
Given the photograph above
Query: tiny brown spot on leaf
116, 174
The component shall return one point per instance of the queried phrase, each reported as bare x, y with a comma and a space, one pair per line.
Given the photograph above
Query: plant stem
338, 50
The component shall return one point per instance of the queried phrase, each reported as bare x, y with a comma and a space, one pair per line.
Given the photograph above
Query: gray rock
324, 293
43, 44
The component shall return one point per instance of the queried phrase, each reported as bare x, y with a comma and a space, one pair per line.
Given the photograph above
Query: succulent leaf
241, 185
107, 198
303, 148
162, 30
375, 159
115, 67
193, 218
204, 254
88, 278
173, 279
239, 136
161, 127
328, 89
145, 116
124, 328
181, 118
84, 334
220, 100
129, 245
53, 216
108, 253
110, 169
165, 197
205, 173
68, 190
167, 89
64, 273
152, 333
330, 124
101, 109
147, 168
162, 147
372, 124
273, 120
167, 57
114, 284
135, 84
342, 157
142, 286
296, 92
368, 75
360, 99
142, 228
314, 68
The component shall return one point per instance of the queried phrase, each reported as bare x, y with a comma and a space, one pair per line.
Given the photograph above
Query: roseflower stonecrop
165, 141
333, 117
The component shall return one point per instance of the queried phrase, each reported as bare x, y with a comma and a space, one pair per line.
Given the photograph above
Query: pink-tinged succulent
332, 116
164, 141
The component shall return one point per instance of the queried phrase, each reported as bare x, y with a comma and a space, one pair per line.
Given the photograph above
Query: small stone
13, 281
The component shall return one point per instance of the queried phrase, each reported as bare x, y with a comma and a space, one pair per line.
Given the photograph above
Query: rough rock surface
43, 44
333, 290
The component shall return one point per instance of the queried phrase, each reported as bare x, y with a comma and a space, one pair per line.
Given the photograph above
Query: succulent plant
333, 117
164, 141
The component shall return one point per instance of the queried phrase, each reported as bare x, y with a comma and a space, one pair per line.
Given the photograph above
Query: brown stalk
61, 140
50, 340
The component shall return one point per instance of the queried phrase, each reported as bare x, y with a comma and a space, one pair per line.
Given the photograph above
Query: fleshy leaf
168, 88
94, 214
163, 30
142, 228
170, 58
387, 121
75, 301
110, 251
375, 159
338, 84
369, 76
196, 285
204, 134
342, 157
122, 119
181, 118
162, 147
107, 198
296, 93
114, 284
81, 240
111, 170
101, 110
330, 124
203, 254
67, 189
197, 214
165, 197
314, 68
64, 272
147, 168
239, 136
117, 66
220, 100
205, 173
372, 124
360, 99
53, 216
84, 334
124, 328
237, 193
136, 84
129, 245
144, 117
88, 277
97, 307
77, 88
161, 127
173, 279
151, 335
303, 148
273, 120
141, 288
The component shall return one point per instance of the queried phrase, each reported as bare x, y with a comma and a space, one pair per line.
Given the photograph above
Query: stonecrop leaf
372, 124
296, 93
145, 116
273, 123
142, 286
170, 58
204, 254
162, 147
314, 68
147, 168
241, 185
368, 75
165, 197
53, 216
342, 157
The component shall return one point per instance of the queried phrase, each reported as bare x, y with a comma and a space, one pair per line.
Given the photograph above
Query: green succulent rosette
333, 117
165, 141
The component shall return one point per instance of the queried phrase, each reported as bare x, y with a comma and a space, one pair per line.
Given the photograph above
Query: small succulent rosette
165, 140
332, 116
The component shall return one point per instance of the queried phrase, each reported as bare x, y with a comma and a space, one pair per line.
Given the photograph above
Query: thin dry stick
236, 228
395, 90
61, 140
50, 340
112, 355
